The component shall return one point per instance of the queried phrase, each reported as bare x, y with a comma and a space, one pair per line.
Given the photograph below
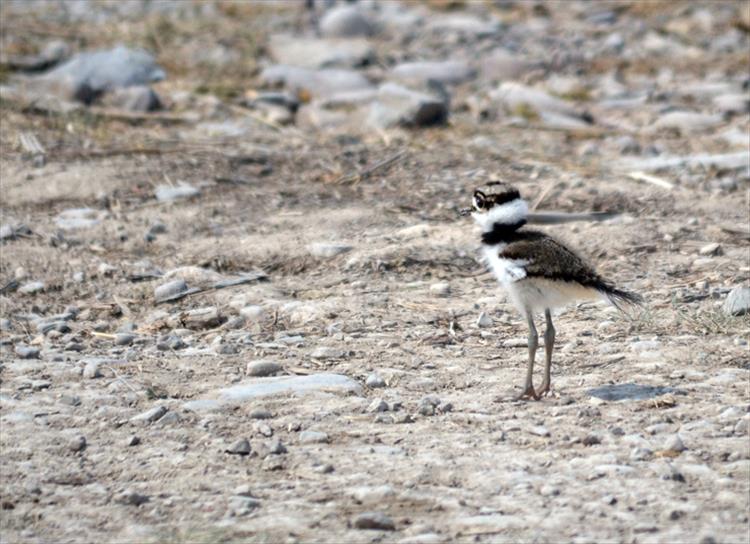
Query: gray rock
5, 325
737, 301
149, 416
374, 381
133, 441
377, 405
79, 218
124, 339
26, 352
441, 289
374, 521
92, 369
77, 444
240, 447
484, 321
346, 21
318, 83
260, 414
261, 387
87, 75
170, 290
262, 368
11, 232
170, 342
132, 498
641, 454
449, 72
139, 98
316, 53
736, 103
539, 430
399, 106
170, 193
32, 287
687, 121
674, 443
313, 437
710, 249
200, 318
242, 506
277, 448
325, 352
328, 250
467, 25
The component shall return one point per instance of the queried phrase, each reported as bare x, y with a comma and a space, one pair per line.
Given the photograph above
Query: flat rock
240, 447
87, 75
79, 218
313, 437
347, 21
170, 193
262, 368
450, 72
283, 385
374, 521
735, 103
325, 352
170, 290
32, 287
149, 416
687, 121
328, 250
629, 391
317, 83
468, 25
320, 53
737, 301
399, 106
26, 352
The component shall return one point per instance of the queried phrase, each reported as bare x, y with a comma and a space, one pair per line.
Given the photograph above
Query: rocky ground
238, 303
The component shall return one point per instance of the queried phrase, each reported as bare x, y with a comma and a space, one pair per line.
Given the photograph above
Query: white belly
533, 294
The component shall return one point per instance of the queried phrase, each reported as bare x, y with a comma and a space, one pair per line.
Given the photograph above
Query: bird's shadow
630, 391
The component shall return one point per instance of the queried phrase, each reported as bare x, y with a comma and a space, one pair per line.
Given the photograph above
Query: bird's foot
528, 394
544, 390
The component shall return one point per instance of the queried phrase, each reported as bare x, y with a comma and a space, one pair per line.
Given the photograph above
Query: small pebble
260, 414
132, 498
710, 249
149, 416
539, 430
313, 437
374, 381
441, 289
377, 405
262, 368
32, 287
674, 443
240, 447
484, 321
124, 339
133, 441
77, 444
374, 521
92, 370
169, 290
26, 352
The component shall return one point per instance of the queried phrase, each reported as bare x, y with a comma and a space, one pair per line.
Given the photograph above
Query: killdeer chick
538, 272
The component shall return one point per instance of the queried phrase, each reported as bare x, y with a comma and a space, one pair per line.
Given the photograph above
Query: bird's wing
548, 258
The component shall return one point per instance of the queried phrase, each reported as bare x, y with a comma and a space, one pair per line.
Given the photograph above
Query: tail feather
619, 297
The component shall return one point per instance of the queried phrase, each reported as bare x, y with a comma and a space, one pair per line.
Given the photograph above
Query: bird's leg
528, 388
549, 344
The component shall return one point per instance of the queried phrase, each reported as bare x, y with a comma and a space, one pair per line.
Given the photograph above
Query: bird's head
497, 203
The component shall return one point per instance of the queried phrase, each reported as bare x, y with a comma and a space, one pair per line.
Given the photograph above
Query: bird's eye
479, 200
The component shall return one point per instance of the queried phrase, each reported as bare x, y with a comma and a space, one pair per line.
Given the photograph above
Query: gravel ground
255, 316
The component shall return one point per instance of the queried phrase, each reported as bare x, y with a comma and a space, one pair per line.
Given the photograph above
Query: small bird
538, 272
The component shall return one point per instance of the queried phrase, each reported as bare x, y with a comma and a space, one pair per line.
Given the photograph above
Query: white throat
509, 213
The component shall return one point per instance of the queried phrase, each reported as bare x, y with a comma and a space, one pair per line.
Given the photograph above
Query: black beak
463, 212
